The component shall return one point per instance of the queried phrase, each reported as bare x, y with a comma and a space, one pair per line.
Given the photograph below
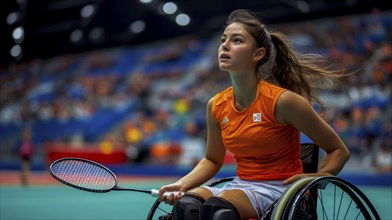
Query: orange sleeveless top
263, 148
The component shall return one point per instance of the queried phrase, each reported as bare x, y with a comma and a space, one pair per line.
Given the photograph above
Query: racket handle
154, 193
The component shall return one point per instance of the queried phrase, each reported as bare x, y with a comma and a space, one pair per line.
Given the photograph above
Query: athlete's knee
188, 207
216, 208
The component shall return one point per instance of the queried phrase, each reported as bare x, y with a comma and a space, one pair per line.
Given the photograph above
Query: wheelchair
309, 198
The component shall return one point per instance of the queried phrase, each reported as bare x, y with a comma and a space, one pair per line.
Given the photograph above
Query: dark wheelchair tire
328, 197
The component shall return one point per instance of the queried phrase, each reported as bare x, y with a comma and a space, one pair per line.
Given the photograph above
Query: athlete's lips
224, 56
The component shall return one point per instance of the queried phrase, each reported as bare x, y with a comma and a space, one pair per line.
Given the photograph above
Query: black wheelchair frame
310, 198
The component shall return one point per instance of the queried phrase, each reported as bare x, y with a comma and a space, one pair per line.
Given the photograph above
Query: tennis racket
90, 176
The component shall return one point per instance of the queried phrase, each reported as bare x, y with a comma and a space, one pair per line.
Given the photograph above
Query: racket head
83, 174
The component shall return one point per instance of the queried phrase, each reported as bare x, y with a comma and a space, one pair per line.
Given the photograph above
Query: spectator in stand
26, 152
192, 145
356, 133
383, 159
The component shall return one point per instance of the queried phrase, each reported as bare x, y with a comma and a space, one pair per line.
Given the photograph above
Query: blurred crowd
168, 85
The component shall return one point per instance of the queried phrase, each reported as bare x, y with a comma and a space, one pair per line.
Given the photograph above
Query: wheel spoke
340, 204
348, 209
322, 204
166, 212
334, 199
359, 213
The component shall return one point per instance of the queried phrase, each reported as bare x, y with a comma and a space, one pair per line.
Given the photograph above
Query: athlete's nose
224, 46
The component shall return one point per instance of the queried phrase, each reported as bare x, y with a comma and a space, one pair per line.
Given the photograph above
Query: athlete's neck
244, 89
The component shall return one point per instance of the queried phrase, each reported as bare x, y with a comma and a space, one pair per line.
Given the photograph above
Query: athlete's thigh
201, 191
241, 201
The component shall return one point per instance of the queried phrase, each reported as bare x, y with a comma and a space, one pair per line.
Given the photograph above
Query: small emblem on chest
256, 117
224, 121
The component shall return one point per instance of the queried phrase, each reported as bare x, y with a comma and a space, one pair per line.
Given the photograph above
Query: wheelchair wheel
283, 201
325, 198
159, 210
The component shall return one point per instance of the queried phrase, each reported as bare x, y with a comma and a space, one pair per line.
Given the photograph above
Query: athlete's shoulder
270, 87
290, 100
223, 96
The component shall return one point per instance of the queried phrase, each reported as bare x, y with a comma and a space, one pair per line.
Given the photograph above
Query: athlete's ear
259, 54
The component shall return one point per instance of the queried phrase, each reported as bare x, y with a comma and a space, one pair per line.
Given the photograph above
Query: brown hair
282, 65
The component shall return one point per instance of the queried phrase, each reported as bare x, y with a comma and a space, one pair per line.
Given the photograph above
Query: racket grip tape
154, 193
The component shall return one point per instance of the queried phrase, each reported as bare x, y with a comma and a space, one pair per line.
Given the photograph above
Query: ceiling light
87, 11
183, 19
16, 51
96, 33
18, 34
169, 8
12, 18
145, 1
76, 35
137, 26
303, 6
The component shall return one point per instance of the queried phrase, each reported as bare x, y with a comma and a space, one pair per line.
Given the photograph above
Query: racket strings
84, 174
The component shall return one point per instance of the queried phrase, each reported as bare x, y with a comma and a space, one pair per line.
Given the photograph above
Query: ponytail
298, 72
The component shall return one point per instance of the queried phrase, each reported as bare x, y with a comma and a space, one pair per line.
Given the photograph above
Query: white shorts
262, 194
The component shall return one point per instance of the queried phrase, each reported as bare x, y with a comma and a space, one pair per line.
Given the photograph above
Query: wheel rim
335, 199
158, 209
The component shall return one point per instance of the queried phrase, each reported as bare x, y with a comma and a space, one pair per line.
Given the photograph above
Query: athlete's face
237, 52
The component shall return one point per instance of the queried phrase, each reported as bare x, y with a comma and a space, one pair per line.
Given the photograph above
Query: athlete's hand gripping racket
90, 176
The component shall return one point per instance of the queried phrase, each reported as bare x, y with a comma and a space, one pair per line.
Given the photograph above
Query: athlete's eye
237, 40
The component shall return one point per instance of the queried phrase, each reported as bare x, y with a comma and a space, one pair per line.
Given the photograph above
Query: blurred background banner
126, 83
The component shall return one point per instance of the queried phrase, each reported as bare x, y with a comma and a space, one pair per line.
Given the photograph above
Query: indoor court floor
46, 199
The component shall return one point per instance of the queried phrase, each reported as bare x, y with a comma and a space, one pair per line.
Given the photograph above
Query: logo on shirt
256, 117
224, 121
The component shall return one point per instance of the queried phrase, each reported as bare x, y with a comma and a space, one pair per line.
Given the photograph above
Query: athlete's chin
224, 67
